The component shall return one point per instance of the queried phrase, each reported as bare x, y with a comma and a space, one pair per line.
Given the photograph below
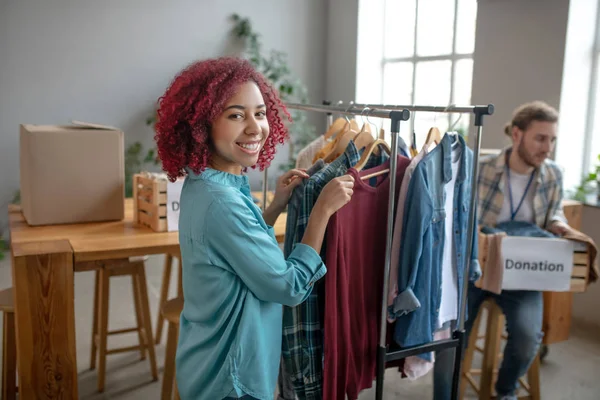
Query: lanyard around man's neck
513, 212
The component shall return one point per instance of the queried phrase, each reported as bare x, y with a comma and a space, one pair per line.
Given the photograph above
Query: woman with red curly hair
218, 118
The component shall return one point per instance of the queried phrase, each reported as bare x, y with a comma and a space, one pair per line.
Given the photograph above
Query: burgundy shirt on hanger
356, 241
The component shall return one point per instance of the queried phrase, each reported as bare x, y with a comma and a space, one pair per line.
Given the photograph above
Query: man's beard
526, 157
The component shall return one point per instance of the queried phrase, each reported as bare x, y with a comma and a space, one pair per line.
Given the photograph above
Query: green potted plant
586, 186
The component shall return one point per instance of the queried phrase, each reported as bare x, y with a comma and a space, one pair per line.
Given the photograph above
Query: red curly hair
195, 98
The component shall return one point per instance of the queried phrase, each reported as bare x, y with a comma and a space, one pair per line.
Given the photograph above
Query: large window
593, 123
426, 58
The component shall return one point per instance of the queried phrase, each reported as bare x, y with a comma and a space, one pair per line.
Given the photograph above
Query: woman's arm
236, 239
271, 214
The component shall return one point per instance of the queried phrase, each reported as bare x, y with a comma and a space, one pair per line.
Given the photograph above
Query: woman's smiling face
239, 133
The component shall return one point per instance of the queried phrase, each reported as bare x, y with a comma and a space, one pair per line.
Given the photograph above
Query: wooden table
44, 260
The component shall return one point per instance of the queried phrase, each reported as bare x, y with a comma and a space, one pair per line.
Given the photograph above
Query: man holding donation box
520, 185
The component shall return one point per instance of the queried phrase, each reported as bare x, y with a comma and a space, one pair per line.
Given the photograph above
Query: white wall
519, 53
108, 61
342, 33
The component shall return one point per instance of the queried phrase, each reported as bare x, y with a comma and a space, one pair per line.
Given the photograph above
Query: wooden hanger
330, 144
335, 128
368, 152
364, 137
434, 135
339, 144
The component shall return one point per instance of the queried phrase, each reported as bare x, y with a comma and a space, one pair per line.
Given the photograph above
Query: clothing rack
398, 113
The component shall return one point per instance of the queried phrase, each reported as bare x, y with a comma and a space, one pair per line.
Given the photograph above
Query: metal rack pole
396, 117
352, 110
459, 333
419, 108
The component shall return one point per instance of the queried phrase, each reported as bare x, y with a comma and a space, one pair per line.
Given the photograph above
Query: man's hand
285, 185
559, 228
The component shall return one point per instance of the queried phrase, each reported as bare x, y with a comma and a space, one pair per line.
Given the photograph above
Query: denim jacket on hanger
421, 251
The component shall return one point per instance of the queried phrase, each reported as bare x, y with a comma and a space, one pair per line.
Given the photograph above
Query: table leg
45, 319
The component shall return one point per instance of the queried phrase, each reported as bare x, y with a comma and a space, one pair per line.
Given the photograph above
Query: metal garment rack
398, 113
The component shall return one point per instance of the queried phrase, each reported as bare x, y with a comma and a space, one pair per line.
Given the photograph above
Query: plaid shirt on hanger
302, 342
548, 196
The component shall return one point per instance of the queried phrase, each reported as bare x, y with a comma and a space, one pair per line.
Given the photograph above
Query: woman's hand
285, 186
336, 194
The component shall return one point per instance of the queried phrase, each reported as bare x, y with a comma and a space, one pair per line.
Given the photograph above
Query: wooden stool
9, 346
492, 356
104, 271
164, 291
171, 312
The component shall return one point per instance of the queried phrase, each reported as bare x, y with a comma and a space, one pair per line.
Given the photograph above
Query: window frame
588, 162
453, 57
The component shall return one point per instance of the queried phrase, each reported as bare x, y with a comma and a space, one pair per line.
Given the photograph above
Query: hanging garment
293, 209
397, 237
421, 253
449, 297
356, 245
415, 367
403, 147
302, 347
286, 388
548, 196
305, 157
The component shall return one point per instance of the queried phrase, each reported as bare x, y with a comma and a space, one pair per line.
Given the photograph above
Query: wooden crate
581, 270
150, 202
581, 266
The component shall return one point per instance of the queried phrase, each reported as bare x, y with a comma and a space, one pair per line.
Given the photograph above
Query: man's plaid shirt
548, 198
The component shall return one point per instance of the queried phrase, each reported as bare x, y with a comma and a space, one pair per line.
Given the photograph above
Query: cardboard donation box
71, 174
538, 264
156, 201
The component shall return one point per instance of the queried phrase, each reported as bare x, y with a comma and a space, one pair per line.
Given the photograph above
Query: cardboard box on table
72, 173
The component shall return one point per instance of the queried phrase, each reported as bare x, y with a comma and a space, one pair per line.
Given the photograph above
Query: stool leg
95, 321
495, 324
533, 377
468, 358
103, 326
143, 294
164, 294
169, 369
175, 390
9, 358
180, 281
138, 316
